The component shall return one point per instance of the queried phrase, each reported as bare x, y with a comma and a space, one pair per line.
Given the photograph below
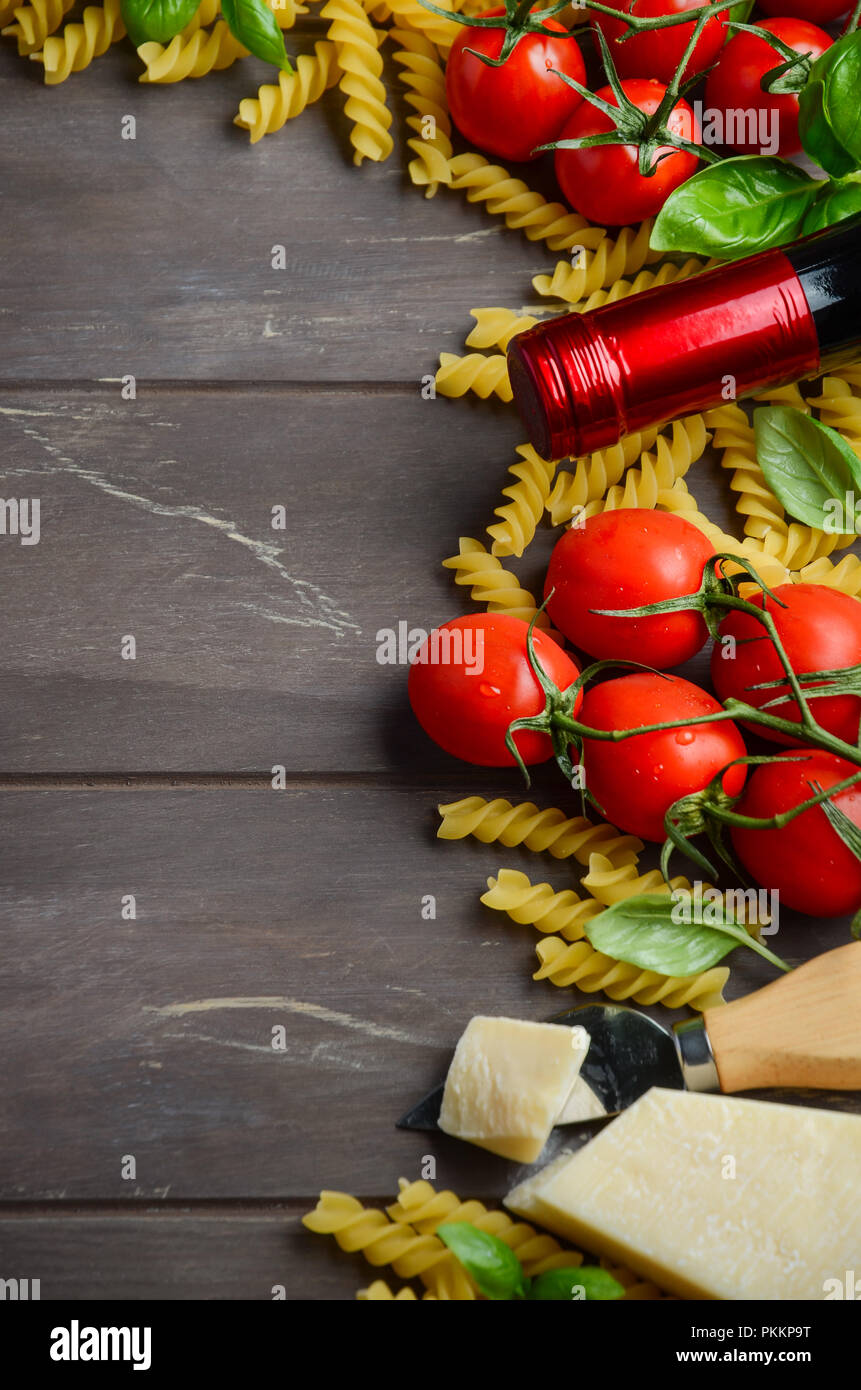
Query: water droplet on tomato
685, 736
489, 690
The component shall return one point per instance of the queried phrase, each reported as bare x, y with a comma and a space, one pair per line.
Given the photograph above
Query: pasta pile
404, 1238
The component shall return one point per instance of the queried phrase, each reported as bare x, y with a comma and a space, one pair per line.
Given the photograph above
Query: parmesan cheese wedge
508, 1082
712, 1197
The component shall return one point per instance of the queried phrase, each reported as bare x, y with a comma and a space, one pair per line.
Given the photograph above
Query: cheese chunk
712, 1197
507, 1083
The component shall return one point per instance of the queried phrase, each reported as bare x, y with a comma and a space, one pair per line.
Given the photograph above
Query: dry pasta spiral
845, 575
577, 963
527, 499
486, 376
840, 407
274, 105
593, 475
385, 1242
202, 52
658, 471
596, 270
379, 1292
424, 80
646, 280
35, 21
356, 44
538, 905
523, 209
496, 327
492, 585
425, 1209
76, 47
441, 32
286, 12
7, 9
523, 824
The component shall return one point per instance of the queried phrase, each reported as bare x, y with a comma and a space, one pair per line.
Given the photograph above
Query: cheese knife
801, 1030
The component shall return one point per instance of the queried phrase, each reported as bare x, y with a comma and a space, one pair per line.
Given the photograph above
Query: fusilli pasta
79, 43
577, 963
595, 270
274, 105
593, 475
659, 471
509, 824
492, 585
496, 327
424, 80
379, 1292
523, 209
195, 56
520, 515
540, 906
441, 32
425, 1209
35, 21
840, 407
385, 1242
646, 280
356, 44
485, 376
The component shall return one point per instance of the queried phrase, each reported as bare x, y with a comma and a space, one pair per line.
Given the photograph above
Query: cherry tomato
816, 11
658, 52
625, 559
820, 630
472, 677
805, 862
758, 117
603, 183
637, 781
510, 111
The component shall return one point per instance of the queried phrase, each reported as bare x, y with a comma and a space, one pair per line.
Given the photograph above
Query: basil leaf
590, 1282
156, 21
809, 467
736, 208
254, 25
642, 932
836, 201
492, 1264
829, 115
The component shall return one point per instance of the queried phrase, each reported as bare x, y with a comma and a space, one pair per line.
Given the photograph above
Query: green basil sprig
589, 1282
736, 208
254, 25
809, 468
836, 200
492, 1264
156, 21
642, 932
829, 116
499, 1274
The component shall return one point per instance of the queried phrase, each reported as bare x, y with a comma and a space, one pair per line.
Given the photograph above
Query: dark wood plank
255, 646
154, 256
167, 1251
300, 909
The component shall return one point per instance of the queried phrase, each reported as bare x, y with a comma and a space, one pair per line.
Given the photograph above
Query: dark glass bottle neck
828, 265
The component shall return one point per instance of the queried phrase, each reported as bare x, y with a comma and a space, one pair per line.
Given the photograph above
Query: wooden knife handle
802, 1030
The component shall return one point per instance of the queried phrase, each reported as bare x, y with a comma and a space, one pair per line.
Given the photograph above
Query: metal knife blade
628, 1053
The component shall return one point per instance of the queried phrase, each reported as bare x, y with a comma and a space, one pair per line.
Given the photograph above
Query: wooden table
150, 1039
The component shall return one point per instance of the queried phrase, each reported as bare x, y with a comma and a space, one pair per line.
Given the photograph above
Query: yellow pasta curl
840, 407
201, 53
540, 906
356, 44
441, 32
379, 1292
424, 79
784, 395
492, 585
35, 21
845, 575
520, 515
76, 47
523, 209
594, 475
658, 471
274, 105
286, 12
496, 327
591, 271
577, 963
485, 376
385, 1242
509, 824
646, 280
425, 1209
7, 9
